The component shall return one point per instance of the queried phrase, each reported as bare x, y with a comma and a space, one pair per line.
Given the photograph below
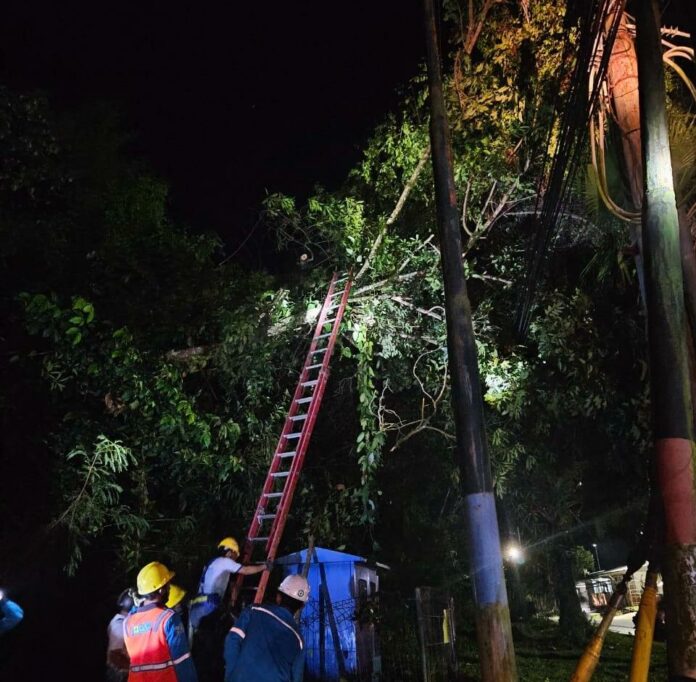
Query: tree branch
388, 280
408, 304
474, 28
425, 155
186, 354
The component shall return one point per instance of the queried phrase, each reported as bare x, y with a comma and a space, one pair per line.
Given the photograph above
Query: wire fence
385, 638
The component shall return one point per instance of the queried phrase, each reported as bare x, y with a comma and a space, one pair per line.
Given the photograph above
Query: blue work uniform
12, 615
264, 645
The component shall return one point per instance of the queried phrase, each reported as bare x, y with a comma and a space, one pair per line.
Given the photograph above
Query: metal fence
387, 638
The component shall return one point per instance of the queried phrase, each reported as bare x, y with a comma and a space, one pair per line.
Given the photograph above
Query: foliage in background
141, 338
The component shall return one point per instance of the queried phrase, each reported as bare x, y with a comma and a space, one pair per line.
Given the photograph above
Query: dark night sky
227, 99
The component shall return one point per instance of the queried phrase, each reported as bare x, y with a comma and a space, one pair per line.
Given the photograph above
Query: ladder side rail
278, 526
276, 531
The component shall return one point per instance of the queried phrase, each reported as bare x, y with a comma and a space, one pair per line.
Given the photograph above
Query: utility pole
669, 370
493, 629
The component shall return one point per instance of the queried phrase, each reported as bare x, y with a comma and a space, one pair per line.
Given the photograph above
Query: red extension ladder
276, 498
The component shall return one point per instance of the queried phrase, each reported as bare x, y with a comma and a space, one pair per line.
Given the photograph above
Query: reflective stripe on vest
159, 666
147, 645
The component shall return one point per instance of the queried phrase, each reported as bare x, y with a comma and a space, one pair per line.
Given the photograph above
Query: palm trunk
622, 77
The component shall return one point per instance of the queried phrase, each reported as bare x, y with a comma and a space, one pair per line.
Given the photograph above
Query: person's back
154, 635
209, 615
265, 646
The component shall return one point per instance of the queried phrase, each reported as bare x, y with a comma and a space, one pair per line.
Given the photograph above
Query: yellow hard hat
229, 543
152, 577
176, 594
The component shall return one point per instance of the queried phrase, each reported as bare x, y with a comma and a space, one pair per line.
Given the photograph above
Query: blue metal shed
337, 644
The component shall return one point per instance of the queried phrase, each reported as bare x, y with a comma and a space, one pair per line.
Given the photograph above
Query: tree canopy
157, 372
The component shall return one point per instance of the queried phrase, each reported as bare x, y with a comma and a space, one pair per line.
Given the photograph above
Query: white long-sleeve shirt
217, 576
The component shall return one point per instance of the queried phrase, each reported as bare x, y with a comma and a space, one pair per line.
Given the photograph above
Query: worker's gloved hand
269, 565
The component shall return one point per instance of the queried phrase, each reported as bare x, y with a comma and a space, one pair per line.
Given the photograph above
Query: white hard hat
295, 586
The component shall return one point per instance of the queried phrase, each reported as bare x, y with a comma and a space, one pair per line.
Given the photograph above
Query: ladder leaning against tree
274, 504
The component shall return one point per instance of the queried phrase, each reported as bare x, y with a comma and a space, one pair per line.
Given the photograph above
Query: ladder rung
263, 517
293, 435
281, 474
320, 350
321, 364
341, 279
273, 495
323, 336
299, 417
330, 320
258, 539
302, 401
309, 384
287, 454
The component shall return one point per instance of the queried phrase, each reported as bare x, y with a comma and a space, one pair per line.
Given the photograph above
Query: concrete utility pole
669, 369
494, 633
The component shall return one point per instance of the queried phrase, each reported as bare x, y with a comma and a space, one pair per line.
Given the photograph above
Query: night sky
226, 100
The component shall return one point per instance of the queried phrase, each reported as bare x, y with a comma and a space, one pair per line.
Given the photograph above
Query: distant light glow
514, 553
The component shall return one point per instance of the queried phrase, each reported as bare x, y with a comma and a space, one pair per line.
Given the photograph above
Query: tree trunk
571, 621
669, 372
688, 259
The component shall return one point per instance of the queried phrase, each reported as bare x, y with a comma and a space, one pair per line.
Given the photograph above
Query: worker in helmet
117, 661
209, 621
177, 604
154, 635
11, 614
265, 645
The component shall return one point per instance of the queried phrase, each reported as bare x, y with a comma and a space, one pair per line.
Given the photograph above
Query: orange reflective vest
150, 657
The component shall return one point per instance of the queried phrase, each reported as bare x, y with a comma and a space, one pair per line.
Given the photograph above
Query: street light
514, 553
596, 551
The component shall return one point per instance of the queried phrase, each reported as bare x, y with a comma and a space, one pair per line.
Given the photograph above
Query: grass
544, 656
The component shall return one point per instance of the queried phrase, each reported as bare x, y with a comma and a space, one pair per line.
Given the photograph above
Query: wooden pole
333, 626
322, 635
493, 628
422, 635
669, 369
590, 656
645, 629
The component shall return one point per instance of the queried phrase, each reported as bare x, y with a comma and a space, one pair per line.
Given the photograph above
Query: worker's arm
12, 615
234, 567
251, 570
179, 649
233, 642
